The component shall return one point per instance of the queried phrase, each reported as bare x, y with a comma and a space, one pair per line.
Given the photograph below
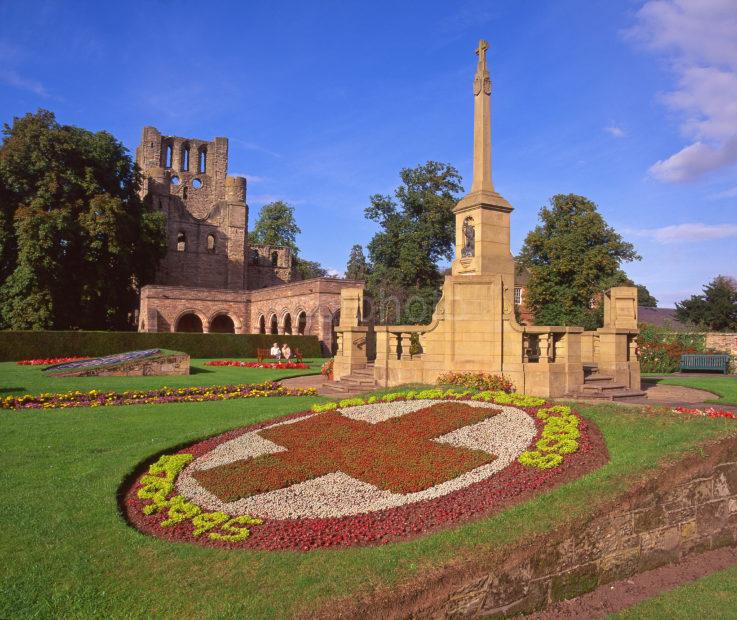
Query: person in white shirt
275, 351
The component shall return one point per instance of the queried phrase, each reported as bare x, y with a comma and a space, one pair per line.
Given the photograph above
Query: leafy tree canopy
715, 309
417, 230
76, 241
357, 267
573, 256
645, 298
308, 269
276, 226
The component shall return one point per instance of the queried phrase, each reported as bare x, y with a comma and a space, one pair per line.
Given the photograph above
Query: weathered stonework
211, 276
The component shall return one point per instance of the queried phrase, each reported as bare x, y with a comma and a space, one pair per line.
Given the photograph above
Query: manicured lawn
67, 552
724, 386
15, 379
714, 596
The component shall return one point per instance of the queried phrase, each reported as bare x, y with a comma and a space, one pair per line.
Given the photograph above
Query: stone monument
473, 327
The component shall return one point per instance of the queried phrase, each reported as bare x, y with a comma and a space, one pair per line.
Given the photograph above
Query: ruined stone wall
206, 213
684, 508
270, 265
162, 307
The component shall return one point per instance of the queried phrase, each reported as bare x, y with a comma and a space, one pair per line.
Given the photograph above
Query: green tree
309, 269
276, 226
357, 267
417, 230
572, 256
715, 309
76, 241
645, 297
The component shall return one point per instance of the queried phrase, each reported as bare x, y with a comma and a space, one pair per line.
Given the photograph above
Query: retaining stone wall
685, 508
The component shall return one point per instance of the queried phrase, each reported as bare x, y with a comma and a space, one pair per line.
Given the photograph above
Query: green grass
15, 379
68, 553
714, 596
725, 387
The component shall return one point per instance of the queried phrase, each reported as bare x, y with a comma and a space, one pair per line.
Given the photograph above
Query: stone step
603, 387
363, 372
597, 377
622, 394
354, 381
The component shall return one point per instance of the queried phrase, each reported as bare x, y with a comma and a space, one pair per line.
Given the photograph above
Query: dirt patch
620, 595
675, 393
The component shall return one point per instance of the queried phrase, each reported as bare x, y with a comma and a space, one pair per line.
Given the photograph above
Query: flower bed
280, 365
50, 361
365, 472
477, 381
709, 412
95, 398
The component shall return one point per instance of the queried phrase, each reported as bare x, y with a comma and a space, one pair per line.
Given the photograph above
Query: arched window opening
274, 258
254, 257
185, 158
211, 243
202, 160
167, 156
333, 335
189, 323
274, 324
222, 324
181, 242
261, 324
288, 324
301, 323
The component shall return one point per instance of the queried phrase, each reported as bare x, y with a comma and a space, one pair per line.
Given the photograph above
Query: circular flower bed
361, 474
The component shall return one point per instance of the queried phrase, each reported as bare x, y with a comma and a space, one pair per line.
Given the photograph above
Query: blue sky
632, 104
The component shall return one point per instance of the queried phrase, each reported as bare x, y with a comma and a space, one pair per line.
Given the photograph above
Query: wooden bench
262, 354
696, 361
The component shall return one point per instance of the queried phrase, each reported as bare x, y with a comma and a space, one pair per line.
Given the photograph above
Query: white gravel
336, 494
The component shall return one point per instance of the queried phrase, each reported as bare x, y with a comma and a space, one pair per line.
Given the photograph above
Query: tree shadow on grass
12, 390
198, 371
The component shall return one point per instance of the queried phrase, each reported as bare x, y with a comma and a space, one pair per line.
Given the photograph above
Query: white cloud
615, 131
12, 78
699, 38
334, 273
687, 232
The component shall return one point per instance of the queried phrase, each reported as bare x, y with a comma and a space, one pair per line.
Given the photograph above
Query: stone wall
723, 342
684, 508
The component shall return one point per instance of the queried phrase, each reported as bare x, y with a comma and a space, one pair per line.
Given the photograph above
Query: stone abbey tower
211, 279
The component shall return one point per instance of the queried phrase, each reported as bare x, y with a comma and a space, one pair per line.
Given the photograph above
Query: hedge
19, 345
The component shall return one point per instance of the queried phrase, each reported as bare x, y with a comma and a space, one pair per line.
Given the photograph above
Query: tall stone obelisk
482, 216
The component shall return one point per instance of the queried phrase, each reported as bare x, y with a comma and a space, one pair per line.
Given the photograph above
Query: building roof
660, 317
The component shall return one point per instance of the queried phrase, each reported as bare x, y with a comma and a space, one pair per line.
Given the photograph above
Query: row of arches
191, 322
287, 326
184, 158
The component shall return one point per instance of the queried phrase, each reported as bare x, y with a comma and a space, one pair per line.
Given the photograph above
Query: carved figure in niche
469, 238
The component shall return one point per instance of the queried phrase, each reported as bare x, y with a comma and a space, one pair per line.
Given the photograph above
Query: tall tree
357, 267
276, 226
573, 256
645, 297
417, 230
308, 269
715, 309
75, 238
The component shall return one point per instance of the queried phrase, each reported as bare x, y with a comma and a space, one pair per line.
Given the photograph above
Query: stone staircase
360, 380
603, 387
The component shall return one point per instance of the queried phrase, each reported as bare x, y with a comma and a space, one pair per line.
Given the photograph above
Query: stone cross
396, 455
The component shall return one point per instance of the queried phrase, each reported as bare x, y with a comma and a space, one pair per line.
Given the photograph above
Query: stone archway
274, 325
262, 324
189, 323
287, 324
222, 324
302, 323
